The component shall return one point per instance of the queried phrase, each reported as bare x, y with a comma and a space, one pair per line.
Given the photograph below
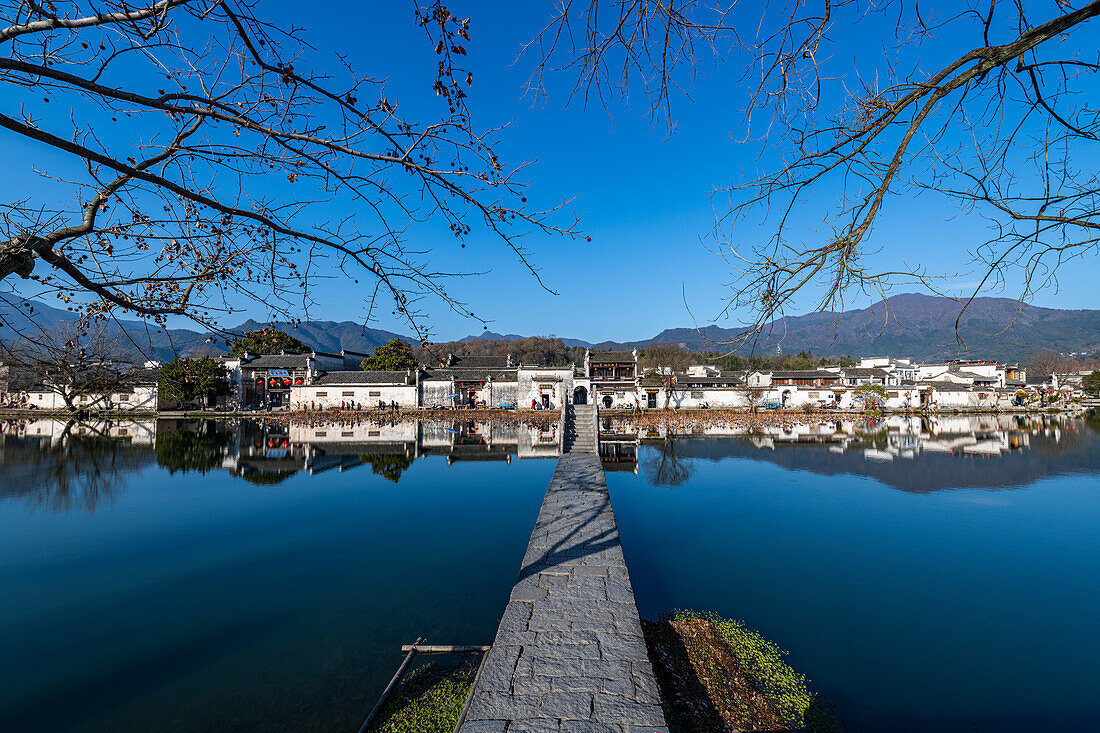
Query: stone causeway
569, 656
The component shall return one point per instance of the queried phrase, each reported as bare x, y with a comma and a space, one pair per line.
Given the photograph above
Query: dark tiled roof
143, 375
279, 361
805, 374
865, 372
688, 381
971, 375
361, 377
471, 375
611, 357
948, 386
478, 362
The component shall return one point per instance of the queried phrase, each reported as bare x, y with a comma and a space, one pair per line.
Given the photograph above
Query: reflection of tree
387, 466
266, 478
78, 470
183, 450
666, 467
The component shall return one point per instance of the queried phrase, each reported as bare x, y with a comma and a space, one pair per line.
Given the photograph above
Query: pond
245, 580
924, 574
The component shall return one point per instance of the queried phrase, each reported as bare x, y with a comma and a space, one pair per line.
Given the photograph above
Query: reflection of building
897, 436
54, 431
618, 448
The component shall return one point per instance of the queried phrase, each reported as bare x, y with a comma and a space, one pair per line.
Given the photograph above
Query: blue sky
644, 194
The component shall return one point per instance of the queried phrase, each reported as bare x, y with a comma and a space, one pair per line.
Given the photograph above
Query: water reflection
64, 465
954, 451
67, 465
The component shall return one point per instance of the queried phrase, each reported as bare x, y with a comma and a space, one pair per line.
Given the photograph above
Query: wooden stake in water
393, 683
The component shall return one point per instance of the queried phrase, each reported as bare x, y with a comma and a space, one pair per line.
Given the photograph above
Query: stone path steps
580, 429
569, 656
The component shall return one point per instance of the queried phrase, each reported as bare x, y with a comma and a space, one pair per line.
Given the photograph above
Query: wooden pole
470, 694
393, 683
443, 648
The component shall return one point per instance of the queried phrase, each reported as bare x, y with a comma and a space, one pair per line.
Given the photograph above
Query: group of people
311, 406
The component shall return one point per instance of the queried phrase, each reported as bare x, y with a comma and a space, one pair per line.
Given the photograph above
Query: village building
722, 390
901, 369
609, 379
469, 387
356, 389
799, 387
267, 381
976, 372
545, 388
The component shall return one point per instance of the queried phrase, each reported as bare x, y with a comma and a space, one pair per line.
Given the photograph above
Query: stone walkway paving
569, 656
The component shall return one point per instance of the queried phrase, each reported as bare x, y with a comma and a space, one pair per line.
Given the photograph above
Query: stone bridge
569, 656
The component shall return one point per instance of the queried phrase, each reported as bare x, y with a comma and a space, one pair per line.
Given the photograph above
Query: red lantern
259, 380
274, 383
286, 382
298, 382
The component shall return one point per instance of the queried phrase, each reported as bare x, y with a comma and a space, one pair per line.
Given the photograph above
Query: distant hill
493, 336
140, 338
918, 326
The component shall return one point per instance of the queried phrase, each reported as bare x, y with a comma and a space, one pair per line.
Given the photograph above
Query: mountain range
914, 325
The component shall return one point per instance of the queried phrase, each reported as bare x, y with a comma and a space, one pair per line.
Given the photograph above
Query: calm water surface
185, 576
936, 577
254, 596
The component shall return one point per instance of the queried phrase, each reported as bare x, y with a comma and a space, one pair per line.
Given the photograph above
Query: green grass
428, 700
764, 662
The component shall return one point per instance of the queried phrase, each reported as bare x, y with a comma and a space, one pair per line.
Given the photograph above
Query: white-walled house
138, 393
358, 389
717, 391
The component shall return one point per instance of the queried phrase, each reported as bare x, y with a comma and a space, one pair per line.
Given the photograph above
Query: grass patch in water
715, 674
429, 699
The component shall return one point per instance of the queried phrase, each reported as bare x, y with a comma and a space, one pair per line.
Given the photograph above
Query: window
374, 394
697, 394
347, 434
321, 433
373, 433
348, 393
322, 394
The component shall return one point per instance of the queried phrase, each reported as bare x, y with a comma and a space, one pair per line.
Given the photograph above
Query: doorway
580, 396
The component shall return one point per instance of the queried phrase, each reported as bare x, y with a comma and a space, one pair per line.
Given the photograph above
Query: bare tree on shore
753, 393
980, 107
666, 360
199, 144
82, 366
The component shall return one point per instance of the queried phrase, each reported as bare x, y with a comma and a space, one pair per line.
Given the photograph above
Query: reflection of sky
960, 452
199, 602
949, 611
